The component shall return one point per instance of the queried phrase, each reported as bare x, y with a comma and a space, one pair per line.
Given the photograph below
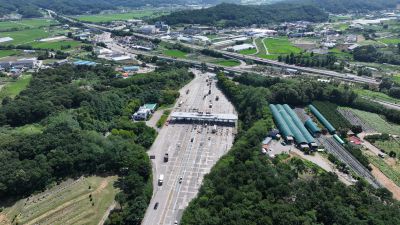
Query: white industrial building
241, 47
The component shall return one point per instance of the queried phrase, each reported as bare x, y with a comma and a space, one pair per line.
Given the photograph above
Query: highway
192, 148
332, 74
341, 76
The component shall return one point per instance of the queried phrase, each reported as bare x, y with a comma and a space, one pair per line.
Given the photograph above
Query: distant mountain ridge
244, 15
29, 8
343, 6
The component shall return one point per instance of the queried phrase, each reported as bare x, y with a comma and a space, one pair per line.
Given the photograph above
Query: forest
30, 8
343, 6
81, 117
245, 187
229, 15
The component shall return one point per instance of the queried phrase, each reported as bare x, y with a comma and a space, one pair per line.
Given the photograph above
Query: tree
386, 84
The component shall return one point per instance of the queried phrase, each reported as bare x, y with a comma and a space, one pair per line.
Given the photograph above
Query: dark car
156, 205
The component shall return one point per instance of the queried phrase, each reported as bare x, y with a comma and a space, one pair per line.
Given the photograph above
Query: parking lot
193, 148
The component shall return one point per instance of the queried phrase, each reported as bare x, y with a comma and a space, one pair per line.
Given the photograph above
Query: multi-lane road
192, 150
332, 74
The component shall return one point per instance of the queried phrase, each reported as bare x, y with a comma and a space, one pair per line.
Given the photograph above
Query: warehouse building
281, 124
312, 127
298, 136
300, 126
291, 127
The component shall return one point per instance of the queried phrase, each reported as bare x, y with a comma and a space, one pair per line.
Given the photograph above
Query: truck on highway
161, 180
166, 157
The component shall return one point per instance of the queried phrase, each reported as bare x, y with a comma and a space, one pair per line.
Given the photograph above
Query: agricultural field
81, 201
354, 120
377, 122
396, 79
389, 145
5, 53
56, 45
340, 54
175, 53
227, 62
389, 167
390, 41
376, 95
280, 46
331, 113
25, 36
103, 18
26, 24
248, 51
14, 87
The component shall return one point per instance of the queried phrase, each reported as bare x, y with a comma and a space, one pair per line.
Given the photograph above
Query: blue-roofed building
130, 68
84, 63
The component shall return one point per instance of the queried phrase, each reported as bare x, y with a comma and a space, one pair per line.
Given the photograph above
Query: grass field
67, 203
376, 95
343, 26
392, 41
276, 47
25, 36
377, 122
248, 51
392, 172
175, 53
387, 146
26, 24
57, 45
227, 62
4, 53
280, 46
396, 79
139, 14
340, 54
12, 89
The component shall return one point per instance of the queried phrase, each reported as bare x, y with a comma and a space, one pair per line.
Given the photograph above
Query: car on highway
156, 206
176, 222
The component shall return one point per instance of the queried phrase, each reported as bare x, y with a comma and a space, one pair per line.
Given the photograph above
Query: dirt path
265, 46
107, 213
255, 44
152, 122
101, 187
385, 181
3, 219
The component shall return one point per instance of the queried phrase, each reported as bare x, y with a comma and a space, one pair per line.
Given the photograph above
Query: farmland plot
81, 201
378, 122
355, 120
331, 113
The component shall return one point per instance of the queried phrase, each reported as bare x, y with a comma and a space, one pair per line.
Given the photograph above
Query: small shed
151, 106
130, 68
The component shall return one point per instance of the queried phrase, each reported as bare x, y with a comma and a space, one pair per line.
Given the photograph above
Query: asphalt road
187, 159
